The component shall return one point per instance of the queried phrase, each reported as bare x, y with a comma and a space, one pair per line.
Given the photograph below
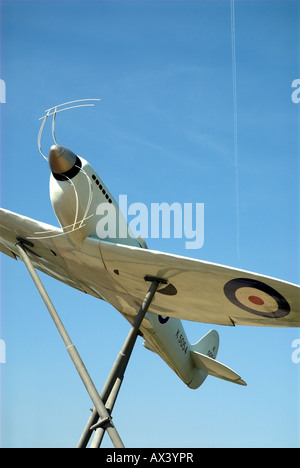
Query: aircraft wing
196, 290
45, 256
204, 292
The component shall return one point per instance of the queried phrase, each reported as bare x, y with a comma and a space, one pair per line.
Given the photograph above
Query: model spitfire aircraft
119, 270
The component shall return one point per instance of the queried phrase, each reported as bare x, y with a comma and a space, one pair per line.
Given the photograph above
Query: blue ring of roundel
232, 286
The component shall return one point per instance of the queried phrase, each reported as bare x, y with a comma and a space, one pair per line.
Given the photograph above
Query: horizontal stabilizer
215, 368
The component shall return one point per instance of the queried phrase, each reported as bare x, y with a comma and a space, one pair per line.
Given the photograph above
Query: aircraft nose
61, 159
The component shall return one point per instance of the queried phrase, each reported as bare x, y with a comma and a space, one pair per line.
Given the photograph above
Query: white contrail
235, 128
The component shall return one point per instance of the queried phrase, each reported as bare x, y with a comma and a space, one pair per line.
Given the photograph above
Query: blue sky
163, 132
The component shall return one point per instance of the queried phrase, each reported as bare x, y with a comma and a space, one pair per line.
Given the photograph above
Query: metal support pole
100, 431
77, 361
113, 383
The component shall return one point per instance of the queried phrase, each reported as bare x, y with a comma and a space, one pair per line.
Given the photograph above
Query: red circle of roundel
234, 285
256, 300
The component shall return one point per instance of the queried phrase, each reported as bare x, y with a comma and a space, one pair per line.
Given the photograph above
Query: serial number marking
211, 353
181, 341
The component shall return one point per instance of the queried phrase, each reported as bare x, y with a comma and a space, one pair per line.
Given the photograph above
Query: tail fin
208, 345
204, 353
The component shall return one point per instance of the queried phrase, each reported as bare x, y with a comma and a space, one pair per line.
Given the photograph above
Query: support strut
103, 403
114, 381
77, 361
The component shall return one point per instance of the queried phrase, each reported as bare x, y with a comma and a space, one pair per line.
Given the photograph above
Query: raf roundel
256, 297
163, 319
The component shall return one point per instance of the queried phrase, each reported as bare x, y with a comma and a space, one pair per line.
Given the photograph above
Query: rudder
208, 344
204, 356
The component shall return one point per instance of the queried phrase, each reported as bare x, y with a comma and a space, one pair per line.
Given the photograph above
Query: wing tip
240, 382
